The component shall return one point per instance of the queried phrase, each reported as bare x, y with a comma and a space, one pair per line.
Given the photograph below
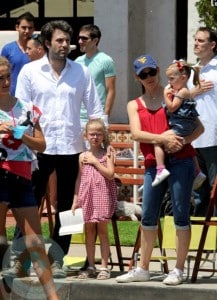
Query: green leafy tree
207, 12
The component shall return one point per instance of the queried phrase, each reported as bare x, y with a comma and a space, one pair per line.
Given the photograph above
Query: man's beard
58, 56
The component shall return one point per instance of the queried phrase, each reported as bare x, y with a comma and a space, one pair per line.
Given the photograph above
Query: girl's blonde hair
182, 67
99, 125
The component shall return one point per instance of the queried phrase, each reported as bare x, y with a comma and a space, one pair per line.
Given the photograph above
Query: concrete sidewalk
73, 288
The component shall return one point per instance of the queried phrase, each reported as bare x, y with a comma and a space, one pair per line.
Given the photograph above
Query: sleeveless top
155, 121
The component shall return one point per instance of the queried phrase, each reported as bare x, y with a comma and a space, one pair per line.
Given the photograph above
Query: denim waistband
5, 174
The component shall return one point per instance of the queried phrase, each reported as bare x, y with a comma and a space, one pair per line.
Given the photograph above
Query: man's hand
205, 86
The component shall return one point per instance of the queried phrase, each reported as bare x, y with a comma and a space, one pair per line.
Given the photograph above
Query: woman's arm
195, 134
169, 140
37, 141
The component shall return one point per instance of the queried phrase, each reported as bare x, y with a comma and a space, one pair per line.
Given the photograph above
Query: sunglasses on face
144, 75
36, 37
83, 38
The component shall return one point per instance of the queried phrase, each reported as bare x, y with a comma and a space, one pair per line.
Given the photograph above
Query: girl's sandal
89, 273
103, 274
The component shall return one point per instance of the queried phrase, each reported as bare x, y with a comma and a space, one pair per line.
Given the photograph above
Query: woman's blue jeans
180, 183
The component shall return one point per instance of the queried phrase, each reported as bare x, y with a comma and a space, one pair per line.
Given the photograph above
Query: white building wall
160, 31
130, 28
193, 24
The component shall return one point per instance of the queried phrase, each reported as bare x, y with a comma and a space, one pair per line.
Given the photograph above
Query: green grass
45, 231
10, 232
127, 232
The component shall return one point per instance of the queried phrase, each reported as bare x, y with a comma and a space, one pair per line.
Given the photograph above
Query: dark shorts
16, 191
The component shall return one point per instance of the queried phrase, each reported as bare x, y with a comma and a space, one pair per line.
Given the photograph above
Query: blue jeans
207, 158
180, 183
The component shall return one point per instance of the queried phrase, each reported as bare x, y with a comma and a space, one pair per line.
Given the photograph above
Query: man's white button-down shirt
60, 102
206, 105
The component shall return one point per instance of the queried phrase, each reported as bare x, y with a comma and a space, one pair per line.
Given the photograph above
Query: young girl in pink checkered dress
96, 193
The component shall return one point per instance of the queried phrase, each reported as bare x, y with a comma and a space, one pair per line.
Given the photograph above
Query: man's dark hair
26, 16
48, 29
212, 35
93, 30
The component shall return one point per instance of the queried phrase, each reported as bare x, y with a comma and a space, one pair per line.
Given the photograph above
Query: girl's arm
106, 171
37, 141
111, 149
174, 101
170, 140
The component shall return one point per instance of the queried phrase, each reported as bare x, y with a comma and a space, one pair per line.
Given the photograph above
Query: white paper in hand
71, 223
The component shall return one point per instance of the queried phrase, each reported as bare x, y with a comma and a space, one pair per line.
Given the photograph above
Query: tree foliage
207, 11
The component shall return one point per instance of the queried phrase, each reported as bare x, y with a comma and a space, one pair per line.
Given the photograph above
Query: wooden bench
121, 139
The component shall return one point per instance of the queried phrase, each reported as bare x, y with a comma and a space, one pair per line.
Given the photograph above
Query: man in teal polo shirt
101, 66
